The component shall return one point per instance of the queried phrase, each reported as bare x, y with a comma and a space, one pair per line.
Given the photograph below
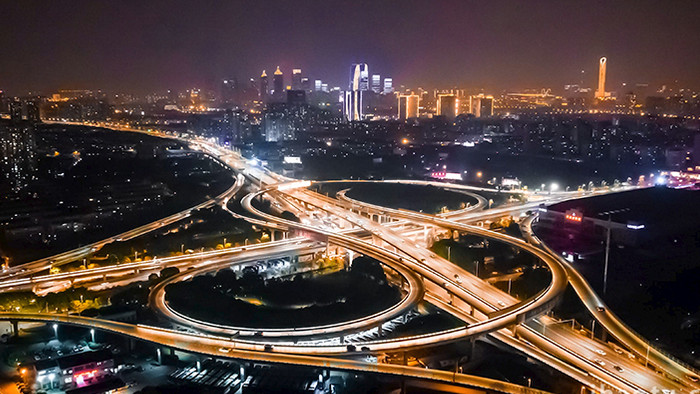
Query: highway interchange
396, 238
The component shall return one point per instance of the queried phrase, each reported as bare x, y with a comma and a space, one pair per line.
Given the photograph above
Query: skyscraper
359, 83
447, 106
317, 85
600, 93
229, 88
263, 86
376, 83
408, 106
278, 83
388, 86
296, 79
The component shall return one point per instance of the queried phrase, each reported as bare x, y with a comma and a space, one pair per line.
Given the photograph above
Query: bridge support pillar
15, 327
380, 330
172, 351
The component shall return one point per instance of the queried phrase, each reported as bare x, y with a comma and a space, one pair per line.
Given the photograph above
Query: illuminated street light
55, 330
553, 187
92, 333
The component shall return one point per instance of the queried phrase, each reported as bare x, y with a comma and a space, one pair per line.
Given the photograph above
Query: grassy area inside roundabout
303, 300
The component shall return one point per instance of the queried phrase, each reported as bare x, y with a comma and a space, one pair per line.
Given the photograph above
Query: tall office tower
481, 105
263, 86
447, 106
317, 85
359, 84
388, 86
408, 106
600, 93
296, 79
278, 83
376, 83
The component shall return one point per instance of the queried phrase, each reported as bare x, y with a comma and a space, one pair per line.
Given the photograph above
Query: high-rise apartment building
447, 106
408, 106
481, 105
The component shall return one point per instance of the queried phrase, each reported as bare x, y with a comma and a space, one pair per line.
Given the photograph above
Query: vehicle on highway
599, 362
692, 378
600, 309
601, 352
618, 368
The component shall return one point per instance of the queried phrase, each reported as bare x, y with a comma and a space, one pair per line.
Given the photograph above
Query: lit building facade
408, 106
447, 106
388, 86
481, 105
353, 105
376, 83
264, 86
296, 79
602, 69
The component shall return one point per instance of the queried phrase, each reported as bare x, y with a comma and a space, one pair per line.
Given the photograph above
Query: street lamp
55, 330
92, 333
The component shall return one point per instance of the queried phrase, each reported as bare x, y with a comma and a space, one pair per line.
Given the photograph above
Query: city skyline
138, 48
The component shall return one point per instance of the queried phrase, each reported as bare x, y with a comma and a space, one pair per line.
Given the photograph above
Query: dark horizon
128, 46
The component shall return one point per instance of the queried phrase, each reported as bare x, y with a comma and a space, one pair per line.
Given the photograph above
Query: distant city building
264, 87
376, 83
17, 157
285, 122
447, 106
296, 79
229, 88
388, 86
278, 83
33, 114
16, 111
317, 85
600, 93
408, 106
354, 96
306, 84
481, 105
297, 97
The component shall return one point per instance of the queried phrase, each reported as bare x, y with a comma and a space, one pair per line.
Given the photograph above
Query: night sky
148, 45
